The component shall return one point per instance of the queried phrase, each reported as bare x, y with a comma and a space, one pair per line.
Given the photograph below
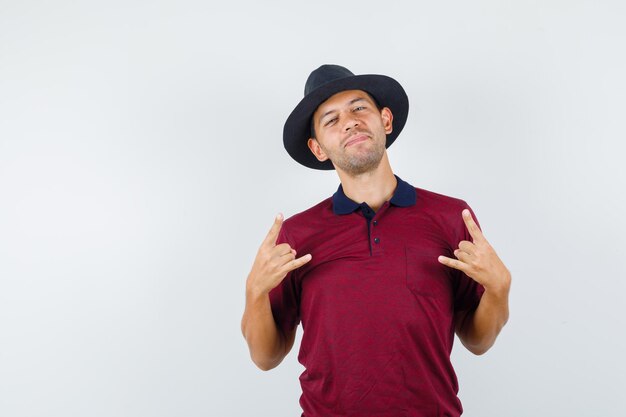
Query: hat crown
325, 74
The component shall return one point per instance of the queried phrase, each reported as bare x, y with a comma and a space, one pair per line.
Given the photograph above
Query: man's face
351, 132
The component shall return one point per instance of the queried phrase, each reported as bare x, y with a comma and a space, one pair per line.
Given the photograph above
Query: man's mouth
360, 137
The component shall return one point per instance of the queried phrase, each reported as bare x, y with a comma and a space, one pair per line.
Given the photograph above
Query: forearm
480, 329
266, 343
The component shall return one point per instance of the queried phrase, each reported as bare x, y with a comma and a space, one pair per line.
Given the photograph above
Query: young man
381, 275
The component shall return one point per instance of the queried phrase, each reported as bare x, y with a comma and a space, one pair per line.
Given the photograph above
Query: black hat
326, 81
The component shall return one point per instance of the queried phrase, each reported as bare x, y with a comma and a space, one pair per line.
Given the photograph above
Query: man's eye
331, 121
359, 108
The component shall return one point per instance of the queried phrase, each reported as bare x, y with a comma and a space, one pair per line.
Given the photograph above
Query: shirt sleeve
468, 292
284, 298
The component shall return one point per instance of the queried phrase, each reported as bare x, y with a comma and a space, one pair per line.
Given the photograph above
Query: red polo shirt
376, 306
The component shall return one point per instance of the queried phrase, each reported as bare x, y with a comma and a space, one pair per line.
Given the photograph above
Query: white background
141, 165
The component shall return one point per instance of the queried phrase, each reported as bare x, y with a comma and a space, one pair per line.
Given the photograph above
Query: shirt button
375, 222
376, 240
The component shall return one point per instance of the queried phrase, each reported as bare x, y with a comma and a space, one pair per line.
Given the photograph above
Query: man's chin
358, 168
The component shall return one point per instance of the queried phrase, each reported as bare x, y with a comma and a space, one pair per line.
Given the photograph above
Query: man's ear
317, 150
387, 116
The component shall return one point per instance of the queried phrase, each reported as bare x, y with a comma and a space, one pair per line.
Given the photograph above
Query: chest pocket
426, 276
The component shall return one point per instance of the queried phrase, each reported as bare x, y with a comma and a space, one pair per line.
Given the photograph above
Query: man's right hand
273, 262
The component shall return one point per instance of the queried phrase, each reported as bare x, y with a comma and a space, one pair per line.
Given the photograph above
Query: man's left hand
479, 260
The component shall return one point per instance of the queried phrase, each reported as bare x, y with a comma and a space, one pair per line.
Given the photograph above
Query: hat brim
387, 92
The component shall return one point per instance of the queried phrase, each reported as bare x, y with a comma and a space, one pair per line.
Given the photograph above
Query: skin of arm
478, 329
267, 344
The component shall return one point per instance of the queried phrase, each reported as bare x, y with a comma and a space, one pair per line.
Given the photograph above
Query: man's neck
373, 187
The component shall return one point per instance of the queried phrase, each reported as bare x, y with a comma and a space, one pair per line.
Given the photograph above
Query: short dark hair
312, 124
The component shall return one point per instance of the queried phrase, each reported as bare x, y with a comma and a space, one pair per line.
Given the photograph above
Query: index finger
272, 235
471, 225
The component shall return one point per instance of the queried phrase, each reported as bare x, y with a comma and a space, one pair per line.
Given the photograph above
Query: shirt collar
403, 196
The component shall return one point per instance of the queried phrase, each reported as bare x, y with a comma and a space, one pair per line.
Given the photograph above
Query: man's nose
351, 122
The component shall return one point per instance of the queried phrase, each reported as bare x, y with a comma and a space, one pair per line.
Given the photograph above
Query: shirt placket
372, 219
